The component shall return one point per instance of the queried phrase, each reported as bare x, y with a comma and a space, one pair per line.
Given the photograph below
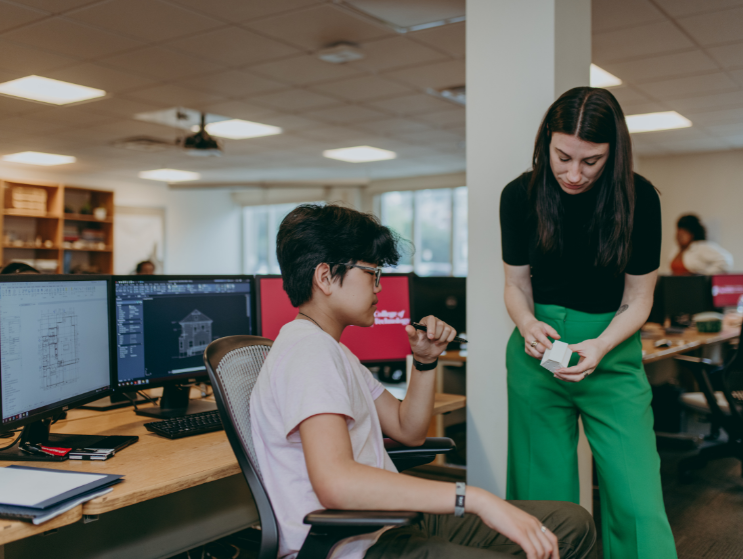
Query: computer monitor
443, 297
727, 290
55, 354
681, 297
386, 341
163, 325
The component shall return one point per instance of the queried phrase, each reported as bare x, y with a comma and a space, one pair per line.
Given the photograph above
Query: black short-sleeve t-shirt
571, 278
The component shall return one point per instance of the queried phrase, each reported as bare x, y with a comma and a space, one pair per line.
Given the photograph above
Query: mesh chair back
732, 382
233, 364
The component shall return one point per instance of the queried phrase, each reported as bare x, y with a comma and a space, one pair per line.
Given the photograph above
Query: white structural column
521, 55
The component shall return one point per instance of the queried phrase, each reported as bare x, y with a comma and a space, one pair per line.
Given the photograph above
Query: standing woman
581, 238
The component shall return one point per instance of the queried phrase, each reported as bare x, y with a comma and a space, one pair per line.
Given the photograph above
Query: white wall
709, 184
203, 228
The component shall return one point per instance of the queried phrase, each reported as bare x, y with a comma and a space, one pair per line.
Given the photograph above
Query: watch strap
459, 502
425, 366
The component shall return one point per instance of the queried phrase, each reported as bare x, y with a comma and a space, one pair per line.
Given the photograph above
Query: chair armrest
406, 457
360, 518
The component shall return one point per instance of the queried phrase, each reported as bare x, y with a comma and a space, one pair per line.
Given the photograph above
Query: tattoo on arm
621, 309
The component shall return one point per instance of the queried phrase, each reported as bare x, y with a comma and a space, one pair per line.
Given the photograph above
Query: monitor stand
38, 433
115, 401
175, 402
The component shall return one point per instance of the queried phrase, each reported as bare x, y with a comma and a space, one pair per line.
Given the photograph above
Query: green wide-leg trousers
614, 404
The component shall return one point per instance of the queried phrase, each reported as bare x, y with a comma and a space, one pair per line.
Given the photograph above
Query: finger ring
534, 343
544, 529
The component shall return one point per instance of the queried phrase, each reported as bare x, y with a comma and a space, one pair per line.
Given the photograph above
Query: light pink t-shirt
308, 373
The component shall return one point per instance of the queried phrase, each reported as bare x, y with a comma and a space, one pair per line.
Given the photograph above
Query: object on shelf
93, 235
27, 198
48, 244
68, 209
70, 233
100, 214
87, 209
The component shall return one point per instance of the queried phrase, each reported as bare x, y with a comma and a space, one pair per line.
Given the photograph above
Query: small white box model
557, 357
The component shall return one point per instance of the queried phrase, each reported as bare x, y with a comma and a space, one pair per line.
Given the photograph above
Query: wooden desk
186, 492
682, 343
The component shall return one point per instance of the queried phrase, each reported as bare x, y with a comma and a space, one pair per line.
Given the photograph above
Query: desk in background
176, 495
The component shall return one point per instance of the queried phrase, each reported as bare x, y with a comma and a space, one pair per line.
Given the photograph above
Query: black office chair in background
725, 409
233, 364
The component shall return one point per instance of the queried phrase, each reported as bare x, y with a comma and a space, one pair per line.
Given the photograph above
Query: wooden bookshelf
64, 236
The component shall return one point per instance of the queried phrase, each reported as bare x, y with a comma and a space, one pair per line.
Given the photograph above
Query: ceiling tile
437, 75
697, 145
290, 122
12, 15
730, 56
363, 88
148, 20
396, 52
319, 26
239, 109
160, 63
233, 46
346, 114
450, 38
30, 60
240, 10
707, 102
233, 83
727, 129
54, 6
334, 134
738, 75
304, 69
641, 107
716, 27
95, 75
30, 125
294, 100
13, 106
175, 96
122, 108
77, 116
639, 41
445, 119
687, 7
715, 117
663, 66
411, 104
431, 137
71, 39
606, 16
394, 126
689, 86
627, 95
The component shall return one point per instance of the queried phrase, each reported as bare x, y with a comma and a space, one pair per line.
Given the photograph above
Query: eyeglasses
376, 271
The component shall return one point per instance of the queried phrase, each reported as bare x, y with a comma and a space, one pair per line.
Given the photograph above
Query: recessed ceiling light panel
169, 175
651, 122
237, 129
359, 154
48, 90
38, 158
602, 78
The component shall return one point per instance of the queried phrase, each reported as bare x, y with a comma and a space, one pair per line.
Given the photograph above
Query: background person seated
696, 254
318, 415
145, 268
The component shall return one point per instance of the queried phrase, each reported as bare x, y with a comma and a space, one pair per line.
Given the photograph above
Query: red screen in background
385, 341
726, 290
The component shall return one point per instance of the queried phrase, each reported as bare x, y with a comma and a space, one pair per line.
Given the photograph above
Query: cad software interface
164, 325
54, 344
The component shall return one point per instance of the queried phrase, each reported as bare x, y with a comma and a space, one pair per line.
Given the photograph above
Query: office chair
725, 409
233, 364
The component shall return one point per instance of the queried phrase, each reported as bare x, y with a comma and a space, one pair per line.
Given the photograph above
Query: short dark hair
313, 234
19, 268
143, 264
693, 225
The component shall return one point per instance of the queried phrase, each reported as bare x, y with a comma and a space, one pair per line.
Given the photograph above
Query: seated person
696, 254
318, 415
145, 268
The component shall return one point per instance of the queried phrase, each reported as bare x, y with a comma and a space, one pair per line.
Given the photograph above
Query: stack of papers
39, 494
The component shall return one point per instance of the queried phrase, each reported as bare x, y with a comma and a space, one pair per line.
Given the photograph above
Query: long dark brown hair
593, 115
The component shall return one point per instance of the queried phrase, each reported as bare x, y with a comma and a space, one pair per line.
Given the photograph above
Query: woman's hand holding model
536, 331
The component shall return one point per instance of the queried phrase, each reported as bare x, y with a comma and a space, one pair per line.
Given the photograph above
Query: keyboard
187, 425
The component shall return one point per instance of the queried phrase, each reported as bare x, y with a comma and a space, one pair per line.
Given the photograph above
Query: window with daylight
260, 226
436, 222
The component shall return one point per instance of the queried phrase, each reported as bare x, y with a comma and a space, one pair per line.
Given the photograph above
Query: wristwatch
459, 502
425, 366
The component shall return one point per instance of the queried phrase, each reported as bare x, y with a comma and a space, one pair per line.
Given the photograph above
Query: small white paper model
557, 357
